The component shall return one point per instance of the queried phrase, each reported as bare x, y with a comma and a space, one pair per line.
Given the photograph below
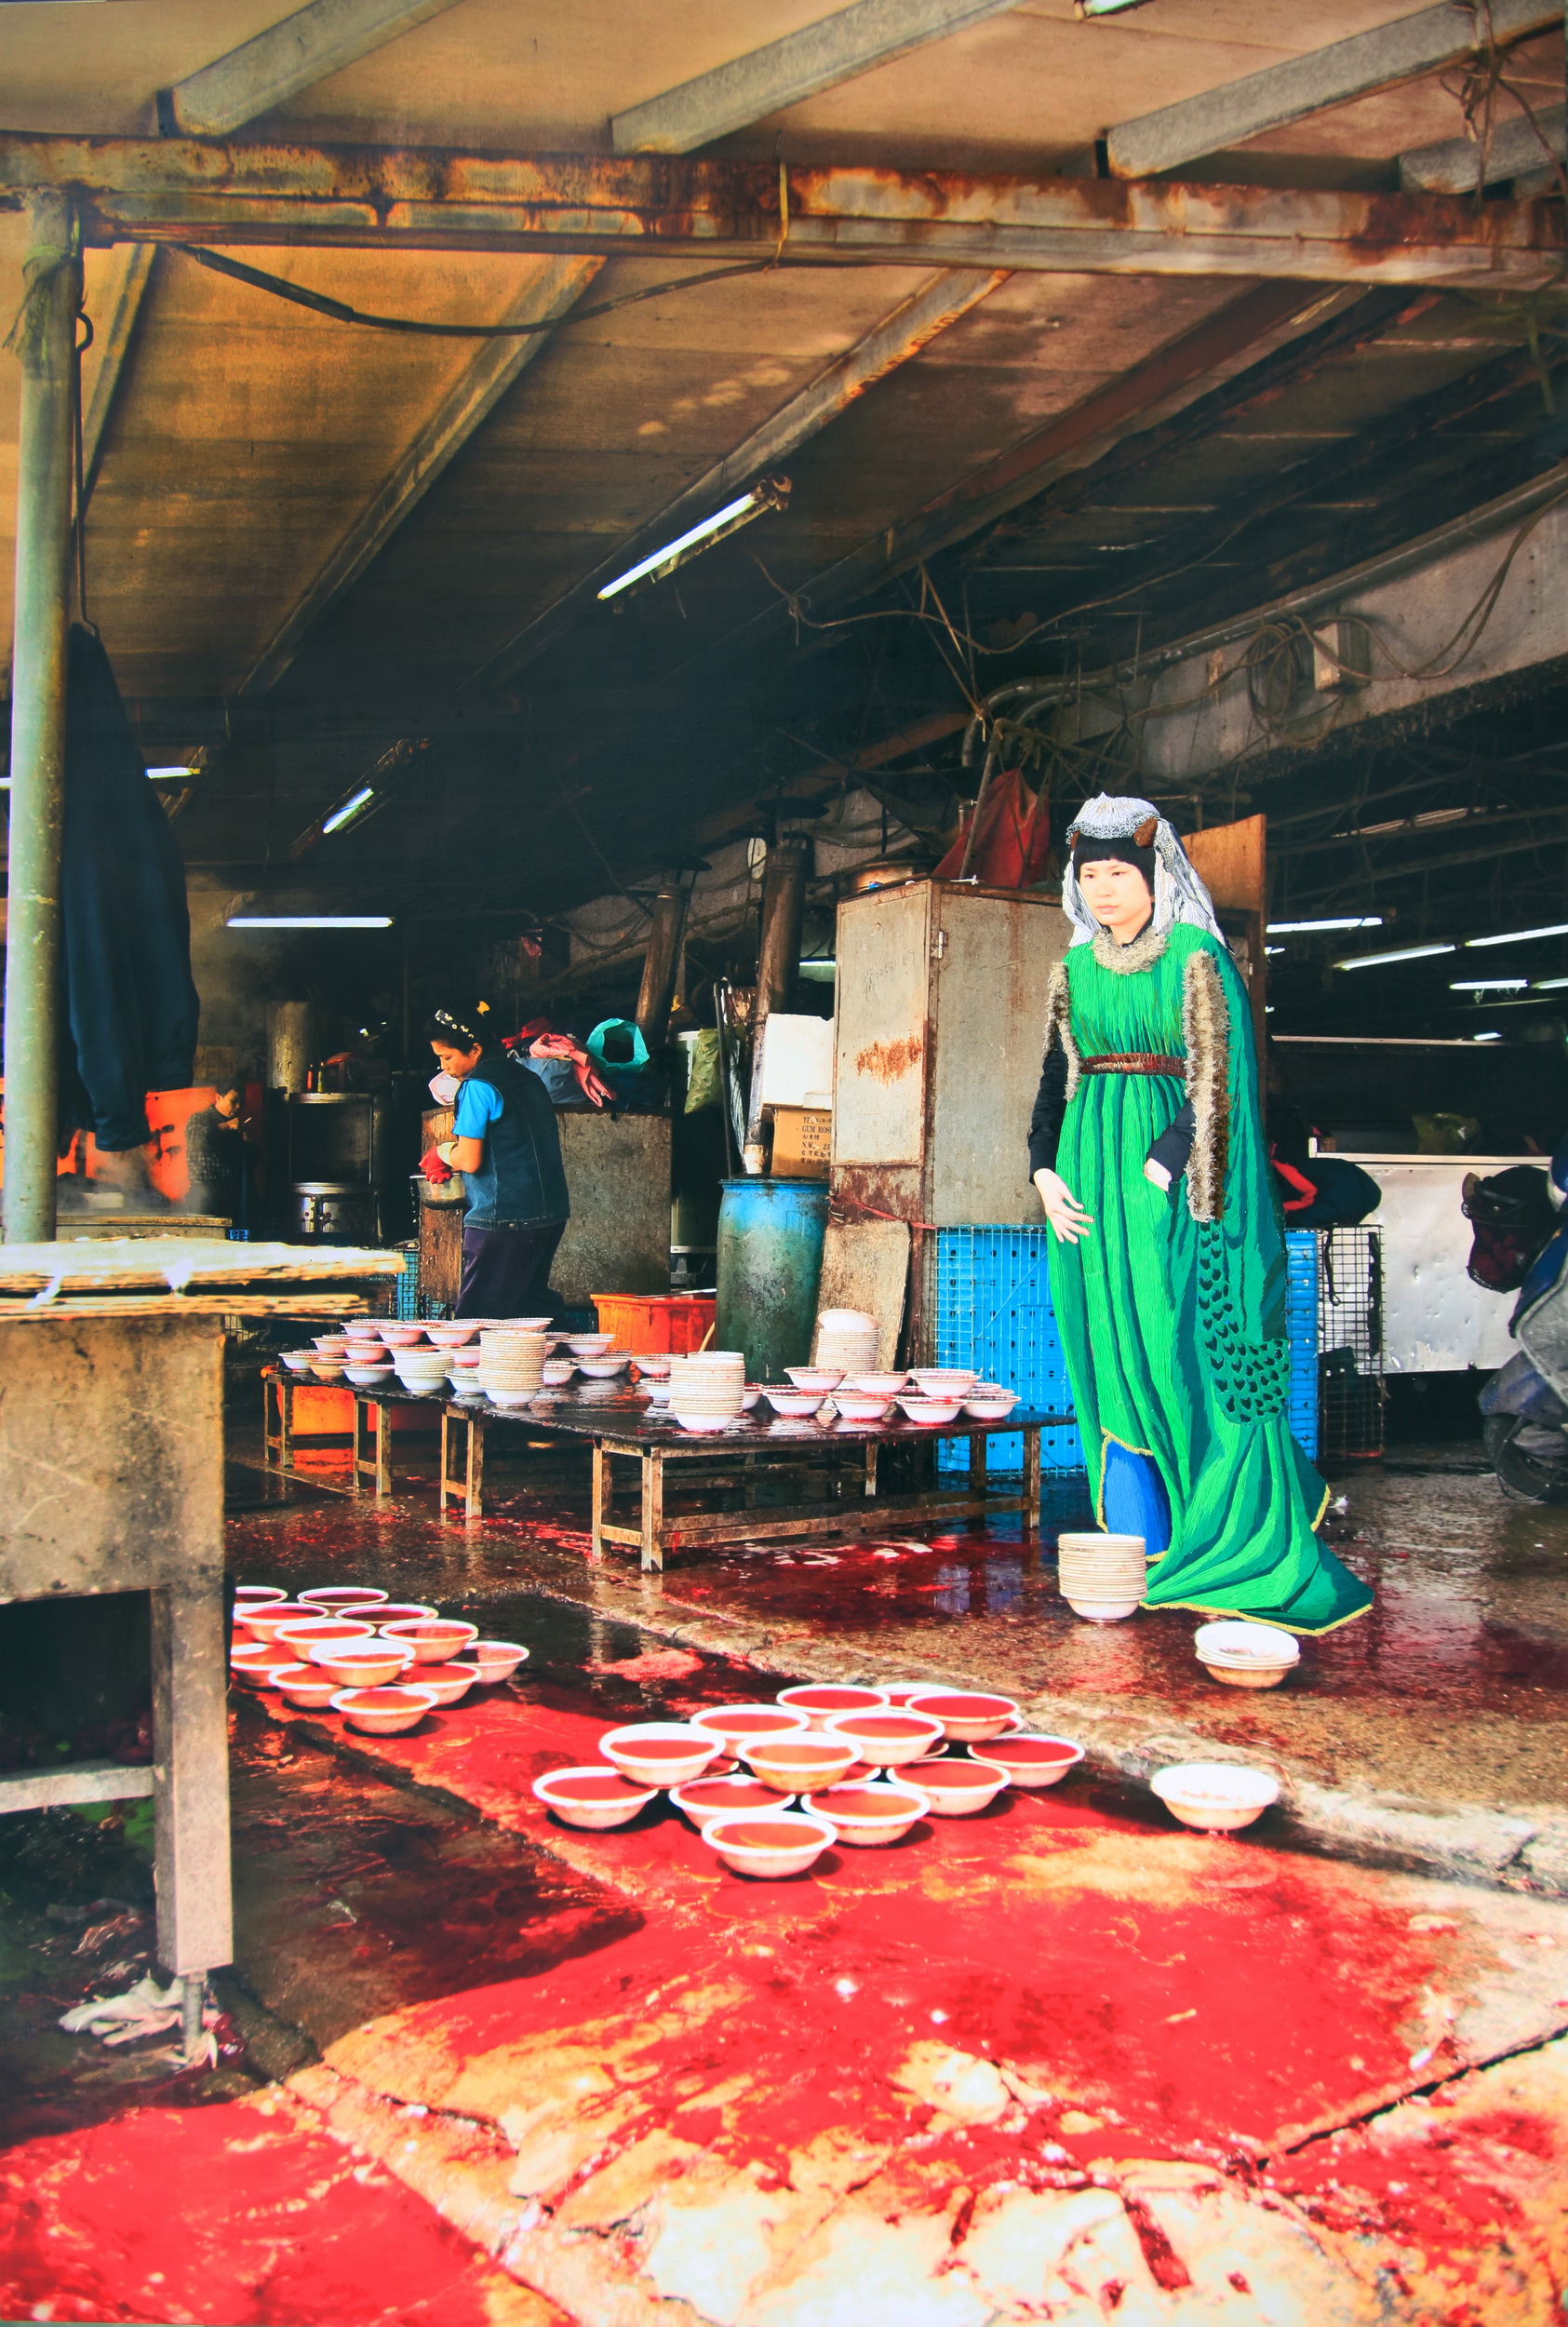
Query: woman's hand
1063, 1209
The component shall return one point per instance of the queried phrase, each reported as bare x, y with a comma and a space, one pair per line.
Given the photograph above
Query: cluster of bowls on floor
862, 1765
382, 1664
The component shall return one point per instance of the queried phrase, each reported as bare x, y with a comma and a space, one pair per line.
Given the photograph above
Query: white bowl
1103, 1612
303, 1685
328, 1369
385, 1712
821, 1700
654, 1367
605, 1368
818, 1378
968, 1715
628, 1748
343, 1599
990, 1409
785, 1764
453, 1336
401, 1336
299, 1360
588, 1344
861, 1406
927, 1409
877, 1385
258, 1596
557, 1372
507, 1397
957, 1788
719, 1792
800, 1841
1217, 1796
329, 1344
658, 1392
732, 1723
943, 1382
1019, 1753
368, 1377
793, 1404
704, 1424
886, 1736
847, 1321
1234, 1641
600, 1805
497, 1660
867, 1823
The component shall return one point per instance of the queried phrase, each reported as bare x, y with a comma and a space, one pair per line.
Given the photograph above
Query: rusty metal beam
894, 341
368, 197
1220, 118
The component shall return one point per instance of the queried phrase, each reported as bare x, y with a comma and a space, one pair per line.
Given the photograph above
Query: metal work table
622, 1428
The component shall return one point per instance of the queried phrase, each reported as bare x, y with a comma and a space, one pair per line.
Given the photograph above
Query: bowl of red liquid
311, 1686
660, 1753
384, 1712
888, 1735
402, 1611
497, 1660
968, 1716
769, 1843
735, 1722
364, 1663
715, 1796
342, 1599
317, 1636
819, 1701
958, 1789
868, 1815
1034, 1761
796, 1764
432, 1639
593, 1796
261, 1624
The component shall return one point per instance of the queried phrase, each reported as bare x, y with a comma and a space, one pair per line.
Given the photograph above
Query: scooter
1525, 1404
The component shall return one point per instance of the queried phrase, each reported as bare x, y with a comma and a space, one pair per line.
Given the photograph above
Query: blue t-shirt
479, 1104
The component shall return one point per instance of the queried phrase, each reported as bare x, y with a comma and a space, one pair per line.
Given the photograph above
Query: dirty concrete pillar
661, 963
43, 340
290, 1045
778, 961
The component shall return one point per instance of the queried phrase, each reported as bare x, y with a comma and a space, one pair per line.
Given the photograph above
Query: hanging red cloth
1014, 847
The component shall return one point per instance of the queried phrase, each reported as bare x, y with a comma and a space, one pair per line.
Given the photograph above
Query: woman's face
456, 1061
1117, 895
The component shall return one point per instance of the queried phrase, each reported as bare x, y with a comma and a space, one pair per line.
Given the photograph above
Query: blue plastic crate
1301, 1326
993, 1310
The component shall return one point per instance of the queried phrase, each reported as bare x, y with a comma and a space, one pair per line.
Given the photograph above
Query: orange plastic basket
656, 1321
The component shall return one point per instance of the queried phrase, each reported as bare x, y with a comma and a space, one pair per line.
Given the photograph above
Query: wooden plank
80, 1781
236, 1304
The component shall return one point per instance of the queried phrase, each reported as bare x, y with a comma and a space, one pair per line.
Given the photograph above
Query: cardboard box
802, 1142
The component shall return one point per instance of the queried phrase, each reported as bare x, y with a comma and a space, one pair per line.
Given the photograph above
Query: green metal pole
43, 340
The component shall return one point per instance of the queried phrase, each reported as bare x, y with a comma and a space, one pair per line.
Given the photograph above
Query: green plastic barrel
771, 1236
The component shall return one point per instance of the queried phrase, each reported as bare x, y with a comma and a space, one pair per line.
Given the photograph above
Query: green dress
1173, 1327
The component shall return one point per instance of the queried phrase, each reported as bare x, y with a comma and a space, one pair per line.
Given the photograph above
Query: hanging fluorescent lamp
355, 806
1519, 936
1486, 1038
1548, 985
1487, 985
310, 920
1301, 929
1405, 953
1086, 10
772, 493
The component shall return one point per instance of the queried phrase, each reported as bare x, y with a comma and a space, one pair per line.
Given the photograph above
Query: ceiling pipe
661, 963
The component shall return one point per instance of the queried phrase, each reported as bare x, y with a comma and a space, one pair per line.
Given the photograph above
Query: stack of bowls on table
847, 1338
299, 1360
511, 1368
1101, 1577
707, 1389
1246, 1656
400, 1333
422, 1368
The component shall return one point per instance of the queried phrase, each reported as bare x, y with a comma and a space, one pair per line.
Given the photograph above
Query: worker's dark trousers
506, 1272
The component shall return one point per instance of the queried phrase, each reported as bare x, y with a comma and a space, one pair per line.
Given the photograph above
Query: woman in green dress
1168, 1259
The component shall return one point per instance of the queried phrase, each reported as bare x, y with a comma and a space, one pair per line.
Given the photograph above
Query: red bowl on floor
341, 1599
735, 1722
769, 1843
433, 1639
497, 1660
800, 1764
371, 1665
1034, 1761
255, 1595
715, 1796
957, 1789
968, 1716
402, 1611
261, 1623
310, 1687
451, 1683
869, 1816
595, 1798
888, 1735
322, 1635
384, 1712
819, 1701
660, 1753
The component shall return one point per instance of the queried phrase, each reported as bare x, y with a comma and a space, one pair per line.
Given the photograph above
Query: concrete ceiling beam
367, 198
1220, 118
1516, 148
482, 382
803, 64
114, 322
288, 57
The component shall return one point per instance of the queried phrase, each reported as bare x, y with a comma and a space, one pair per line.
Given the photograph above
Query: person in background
507, 1145
215, 1156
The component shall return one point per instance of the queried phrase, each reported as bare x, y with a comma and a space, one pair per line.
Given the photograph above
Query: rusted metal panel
989, 982
884, 1030
179, 189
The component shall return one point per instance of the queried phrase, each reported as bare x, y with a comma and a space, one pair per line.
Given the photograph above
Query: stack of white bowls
707, 1389
511, 1368
422, 1368
1102, 1577
847, 1337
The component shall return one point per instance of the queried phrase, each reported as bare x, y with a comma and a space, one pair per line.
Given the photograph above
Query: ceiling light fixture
351, 807
1301, 929
1548, 985
1486, 1038
1518, 936
310, 920
1406, 953
171, 775
772, 493
1487, 985
1086, 10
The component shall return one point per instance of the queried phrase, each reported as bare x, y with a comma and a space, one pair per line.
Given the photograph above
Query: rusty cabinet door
882, 1048
991, 954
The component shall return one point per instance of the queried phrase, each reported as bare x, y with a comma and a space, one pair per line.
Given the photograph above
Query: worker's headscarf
1150, 843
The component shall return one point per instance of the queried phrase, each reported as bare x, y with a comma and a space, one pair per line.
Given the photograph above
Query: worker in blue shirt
508, 1150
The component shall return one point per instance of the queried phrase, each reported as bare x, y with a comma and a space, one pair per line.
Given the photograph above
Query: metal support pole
43, 339
661, 963
778, 962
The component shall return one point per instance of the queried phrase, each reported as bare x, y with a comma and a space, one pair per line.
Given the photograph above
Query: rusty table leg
1031, 1478
366, 1454
653, 1508
870, 1468
278, 1421
448, 1487
474, 1484
602, 1489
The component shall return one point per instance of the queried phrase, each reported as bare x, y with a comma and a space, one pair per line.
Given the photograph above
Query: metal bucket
771, 1236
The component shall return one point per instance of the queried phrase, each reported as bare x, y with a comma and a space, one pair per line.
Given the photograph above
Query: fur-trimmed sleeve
1058, 1074
1206, 1033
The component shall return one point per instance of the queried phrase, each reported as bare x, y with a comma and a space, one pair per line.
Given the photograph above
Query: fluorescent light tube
1487, 985
772, 494
1548, 985
310, 920
1486, 1038
1296, 929
350, 809
1405, 953
1518, 936
169, 775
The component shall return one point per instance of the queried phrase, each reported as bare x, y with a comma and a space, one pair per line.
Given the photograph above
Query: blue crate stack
1301, 1311
993, 1310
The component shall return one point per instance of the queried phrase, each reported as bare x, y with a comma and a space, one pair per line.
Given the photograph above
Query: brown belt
1132, 1062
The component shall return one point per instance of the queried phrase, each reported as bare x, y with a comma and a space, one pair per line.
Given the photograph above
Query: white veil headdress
1179, 895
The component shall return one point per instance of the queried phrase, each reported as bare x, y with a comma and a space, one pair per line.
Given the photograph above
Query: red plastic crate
656, 1321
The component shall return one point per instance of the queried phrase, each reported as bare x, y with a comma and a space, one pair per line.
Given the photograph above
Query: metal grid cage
993, 1310
1350, 1388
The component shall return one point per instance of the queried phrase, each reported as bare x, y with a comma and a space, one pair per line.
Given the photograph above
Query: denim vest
521, 1181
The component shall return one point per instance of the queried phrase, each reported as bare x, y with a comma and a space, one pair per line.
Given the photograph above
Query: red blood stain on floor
231, 2217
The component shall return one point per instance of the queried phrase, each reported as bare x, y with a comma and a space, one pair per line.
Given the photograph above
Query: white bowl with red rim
384, 1712
450, 1334
822, 1378
254, 1662
400, 1611
955, 1787
943, 1382
1215, 1797
319, 1635
338, 1599
1033, 1761
722, 1790
905, 1692
799, 1765
308, 1686
451, 1683
257, 1596
593, 1795
795, 1406
400, 1337
819, 1701
432, 1639
968, 1716
497, 1660
887, 1735
927, 1411
985, 1402
660, 1753
735, 1723
862, 1405
653, 1364
367, 1665
264, 1623
867, 1814
769, 1843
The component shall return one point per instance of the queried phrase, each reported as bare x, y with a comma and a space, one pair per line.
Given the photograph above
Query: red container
680, 1321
